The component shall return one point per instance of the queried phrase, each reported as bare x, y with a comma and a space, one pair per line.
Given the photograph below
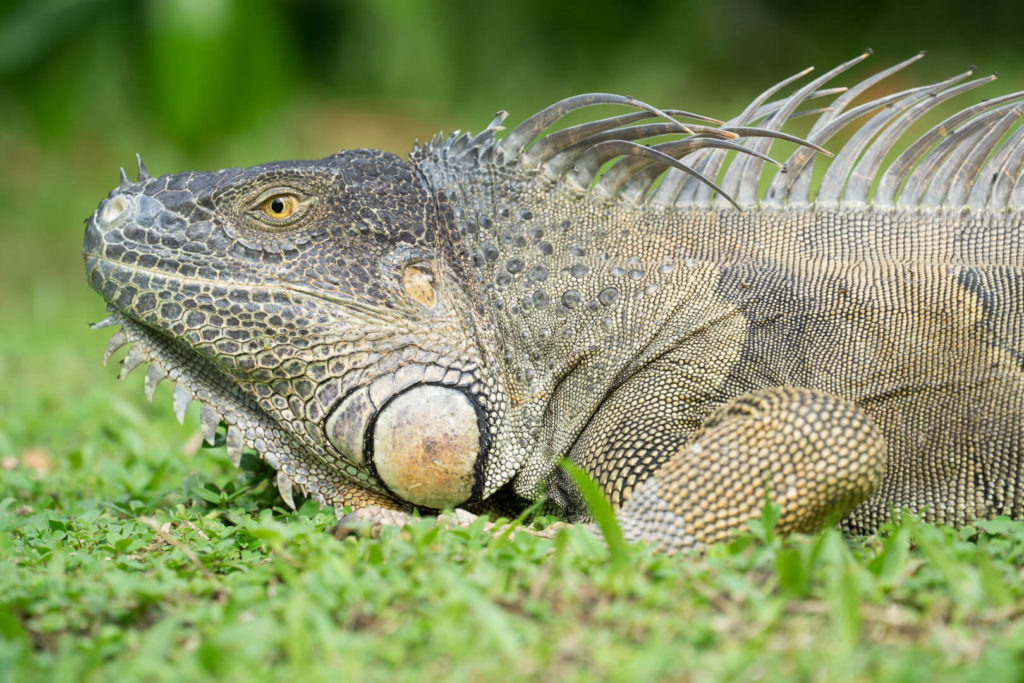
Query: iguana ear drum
426, 443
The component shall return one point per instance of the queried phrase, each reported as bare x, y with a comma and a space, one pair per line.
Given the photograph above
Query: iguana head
318, 308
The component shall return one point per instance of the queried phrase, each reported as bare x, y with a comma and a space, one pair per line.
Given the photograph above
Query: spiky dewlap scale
440, 332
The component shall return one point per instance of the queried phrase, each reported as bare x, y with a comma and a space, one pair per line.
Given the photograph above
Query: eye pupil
279, 207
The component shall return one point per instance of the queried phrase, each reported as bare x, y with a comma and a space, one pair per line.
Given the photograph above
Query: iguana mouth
246, 425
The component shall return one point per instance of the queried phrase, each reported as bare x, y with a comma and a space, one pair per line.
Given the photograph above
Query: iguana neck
572, 287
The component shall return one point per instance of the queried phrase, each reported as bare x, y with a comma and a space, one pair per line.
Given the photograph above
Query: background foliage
122, 549
195, 71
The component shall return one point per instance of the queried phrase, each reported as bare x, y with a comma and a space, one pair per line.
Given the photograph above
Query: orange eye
280, 206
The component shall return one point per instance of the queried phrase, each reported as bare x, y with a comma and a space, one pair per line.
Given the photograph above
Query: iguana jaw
247, 426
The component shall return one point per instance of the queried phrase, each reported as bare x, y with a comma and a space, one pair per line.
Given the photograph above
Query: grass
119, 562
127, 550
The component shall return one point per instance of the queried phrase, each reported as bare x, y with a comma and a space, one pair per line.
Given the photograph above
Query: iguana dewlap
442, 331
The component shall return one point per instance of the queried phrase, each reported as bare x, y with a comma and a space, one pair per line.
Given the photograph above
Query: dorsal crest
674, 158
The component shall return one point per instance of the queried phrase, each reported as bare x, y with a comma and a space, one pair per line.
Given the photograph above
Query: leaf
764, 528
893, 558
603, 514
992, 583
209, 494
843, 590
793, 568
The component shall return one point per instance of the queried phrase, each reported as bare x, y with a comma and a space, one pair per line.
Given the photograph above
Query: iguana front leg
817, 456
680, 481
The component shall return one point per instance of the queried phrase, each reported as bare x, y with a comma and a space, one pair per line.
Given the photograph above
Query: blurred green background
84, 84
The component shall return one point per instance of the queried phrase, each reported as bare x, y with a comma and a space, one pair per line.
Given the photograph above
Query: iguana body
441, 332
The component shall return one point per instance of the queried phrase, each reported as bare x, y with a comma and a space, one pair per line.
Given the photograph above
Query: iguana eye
280, 206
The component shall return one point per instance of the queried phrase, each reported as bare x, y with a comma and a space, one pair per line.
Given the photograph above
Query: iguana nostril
113, 211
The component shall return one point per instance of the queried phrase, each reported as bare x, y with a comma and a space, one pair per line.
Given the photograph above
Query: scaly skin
440, 332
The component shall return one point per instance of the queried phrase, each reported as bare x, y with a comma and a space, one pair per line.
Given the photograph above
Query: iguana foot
815, 455
369, 521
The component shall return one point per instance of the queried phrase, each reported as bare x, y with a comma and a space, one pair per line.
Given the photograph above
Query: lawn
130, 551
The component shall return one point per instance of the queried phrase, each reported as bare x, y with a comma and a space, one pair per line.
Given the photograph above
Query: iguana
633, 293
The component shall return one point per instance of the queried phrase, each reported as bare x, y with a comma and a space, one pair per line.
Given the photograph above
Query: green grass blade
603, 514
